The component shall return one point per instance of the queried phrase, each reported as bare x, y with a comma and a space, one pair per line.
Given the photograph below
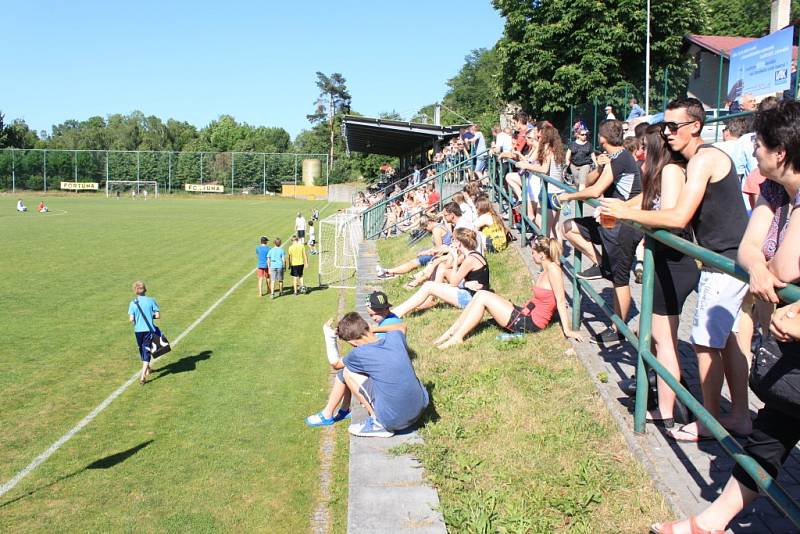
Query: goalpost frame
137, 183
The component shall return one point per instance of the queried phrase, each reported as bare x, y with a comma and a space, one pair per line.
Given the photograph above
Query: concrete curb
387, 492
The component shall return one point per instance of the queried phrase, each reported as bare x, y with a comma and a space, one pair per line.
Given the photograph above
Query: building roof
723, 44
391, 137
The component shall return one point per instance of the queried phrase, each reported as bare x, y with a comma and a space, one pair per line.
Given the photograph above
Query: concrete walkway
689, 475
387, 492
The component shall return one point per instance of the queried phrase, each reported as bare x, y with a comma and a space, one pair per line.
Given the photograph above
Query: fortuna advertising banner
204, 188
761, 67
78, 186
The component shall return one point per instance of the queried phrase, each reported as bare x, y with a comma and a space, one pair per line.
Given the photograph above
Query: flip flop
694, 528
693, 438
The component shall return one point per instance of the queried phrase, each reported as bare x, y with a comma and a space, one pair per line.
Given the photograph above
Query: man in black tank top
711, 202
617, 177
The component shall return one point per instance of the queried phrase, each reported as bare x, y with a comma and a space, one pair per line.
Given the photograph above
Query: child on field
312, 237
276, 261
262, 272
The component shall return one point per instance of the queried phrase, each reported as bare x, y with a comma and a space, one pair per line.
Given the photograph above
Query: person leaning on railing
712, 202
776, 429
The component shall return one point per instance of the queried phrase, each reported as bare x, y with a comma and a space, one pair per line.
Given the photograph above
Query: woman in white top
549, 160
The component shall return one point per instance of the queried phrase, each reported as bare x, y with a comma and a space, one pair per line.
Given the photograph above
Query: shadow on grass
106, 462
184, 365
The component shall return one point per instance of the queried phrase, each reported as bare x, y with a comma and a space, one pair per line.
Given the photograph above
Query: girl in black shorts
676, 274
548, 295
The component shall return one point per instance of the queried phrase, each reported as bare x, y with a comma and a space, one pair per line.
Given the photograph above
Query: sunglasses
675, 126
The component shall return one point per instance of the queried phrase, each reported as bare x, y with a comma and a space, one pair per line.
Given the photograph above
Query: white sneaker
370, 428
379, 270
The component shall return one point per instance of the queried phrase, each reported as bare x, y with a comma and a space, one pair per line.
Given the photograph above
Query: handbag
775, 374
155, 342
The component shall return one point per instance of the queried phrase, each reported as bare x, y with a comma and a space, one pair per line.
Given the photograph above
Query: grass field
216, 442
518, 439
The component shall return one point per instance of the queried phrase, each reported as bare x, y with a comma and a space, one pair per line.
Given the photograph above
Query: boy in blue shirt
276, 261
380, 311
262, 271
146, 311
378, 372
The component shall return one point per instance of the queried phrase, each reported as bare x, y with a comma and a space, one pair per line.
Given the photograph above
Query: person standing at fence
711, 201
776, 428
618, 177
676, 274
580, 158
141, 311
262, 271
482, 157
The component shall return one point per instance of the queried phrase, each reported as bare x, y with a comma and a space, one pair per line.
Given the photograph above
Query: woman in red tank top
535, 315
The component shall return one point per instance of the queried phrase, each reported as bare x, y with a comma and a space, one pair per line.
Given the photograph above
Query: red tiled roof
723, 44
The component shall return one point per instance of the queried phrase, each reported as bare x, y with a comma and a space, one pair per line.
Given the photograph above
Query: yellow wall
311, 192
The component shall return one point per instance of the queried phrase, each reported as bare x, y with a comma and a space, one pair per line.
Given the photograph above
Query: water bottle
509, 336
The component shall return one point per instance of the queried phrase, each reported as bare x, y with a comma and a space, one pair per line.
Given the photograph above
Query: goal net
129, 188
339, 237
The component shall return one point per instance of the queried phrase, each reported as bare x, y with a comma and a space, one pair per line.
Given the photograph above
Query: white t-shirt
300, 223
504, 142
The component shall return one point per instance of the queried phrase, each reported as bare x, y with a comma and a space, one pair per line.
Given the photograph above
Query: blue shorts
464, 297
424, 260
480, 165
143, 352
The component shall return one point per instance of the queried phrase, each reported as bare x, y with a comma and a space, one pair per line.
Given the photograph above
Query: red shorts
262, 273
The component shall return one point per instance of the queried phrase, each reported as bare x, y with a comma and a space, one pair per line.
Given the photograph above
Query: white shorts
719, 301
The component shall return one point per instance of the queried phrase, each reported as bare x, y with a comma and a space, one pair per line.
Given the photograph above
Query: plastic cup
607, 221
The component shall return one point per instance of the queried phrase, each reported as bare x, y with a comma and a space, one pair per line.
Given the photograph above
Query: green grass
217, 440
518, 439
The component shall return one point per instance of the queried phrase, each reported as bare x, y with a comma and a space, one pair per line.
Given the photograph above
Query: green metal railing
374, 217
646, 359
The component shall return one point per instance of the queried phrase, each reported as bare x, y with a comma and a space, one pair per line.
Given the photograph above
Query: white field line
39, 460
8, 486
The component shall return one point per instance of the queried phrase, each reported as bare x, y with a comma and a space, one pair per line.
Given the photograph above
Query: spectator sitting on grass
21, 206
548, 295
441, 237
468, 272
378, 372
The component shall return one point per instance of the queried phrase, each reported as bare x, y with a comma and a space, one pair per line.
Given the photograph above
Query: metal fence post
169, 173
295, 176
13, 172
543, 208
594, 126
44, 169
233, 169
523, 208
264, 172
719, 93
666, 86
75, 166
106, 169
576, 264
440, 183
645, 338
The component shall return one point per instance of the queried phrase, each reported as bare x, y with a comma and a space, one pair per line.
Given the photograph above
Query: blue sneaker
341, 415
319, 419
370, 428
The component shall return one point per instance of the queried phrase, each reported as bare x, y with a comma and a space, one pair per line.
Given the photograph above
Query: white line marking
39, 460
8, 486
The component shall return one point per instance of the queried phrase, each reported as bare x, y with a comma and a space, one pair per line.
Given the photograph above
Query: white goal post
339, 237
126, 186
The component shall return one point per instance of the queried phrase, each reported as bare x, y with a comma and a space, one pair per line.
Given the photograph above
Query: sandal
319, 419
692, 437
694, 528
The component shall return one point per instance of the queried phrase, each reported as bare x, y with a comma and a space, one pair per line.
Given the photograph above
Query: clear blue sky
194, 61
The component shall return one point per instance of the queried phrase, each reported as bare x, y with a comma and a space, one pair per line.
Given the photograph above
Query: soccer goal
339, 237
120, 188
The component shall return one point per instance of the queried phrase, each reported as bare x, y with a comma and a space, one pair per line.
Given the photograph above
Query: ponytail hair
549, 247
